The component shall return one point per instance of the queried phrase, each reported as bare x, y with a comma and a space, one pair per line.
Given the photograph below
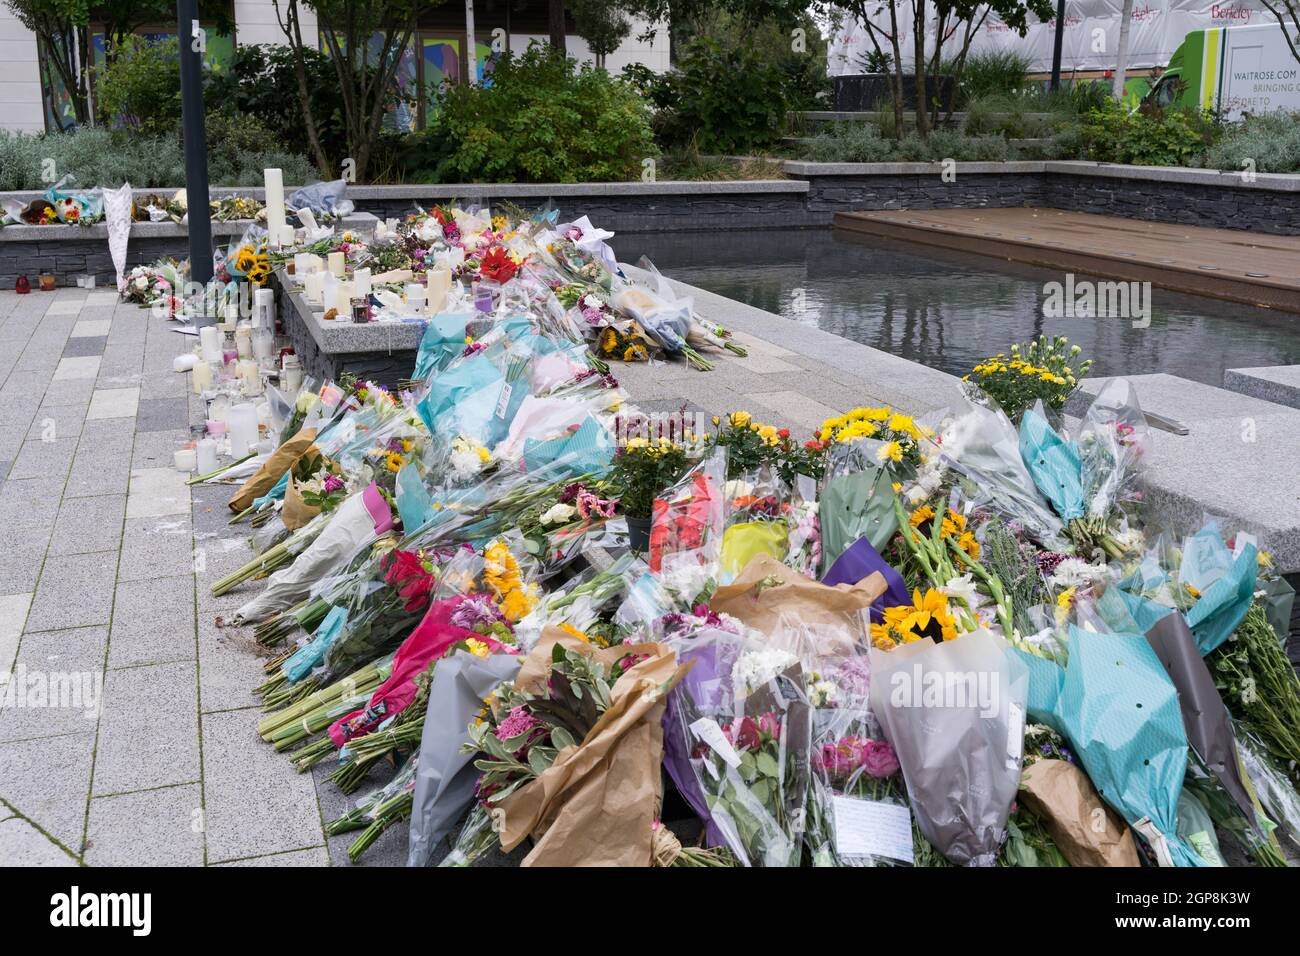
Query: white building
437, 51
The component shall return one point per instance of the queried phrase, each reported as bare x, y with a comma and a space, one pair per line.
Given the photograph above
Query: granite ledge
1279, 384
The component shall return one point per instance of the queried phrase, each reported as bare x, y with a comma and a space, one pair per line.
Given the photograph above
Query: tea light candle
439, 281
337, 264
186, 459
205, 457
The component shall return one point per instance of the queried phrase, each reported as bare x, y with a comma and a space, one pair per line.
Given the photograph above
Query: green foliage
140, 88
725, 100
261, 82
991, 73
241, 146
543, 119
101, 157
1272, 141
863, 143
1146, 138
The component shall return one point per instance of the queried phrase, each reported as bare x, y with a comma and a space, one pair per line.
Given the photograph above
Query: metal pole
192, 44
1056, 48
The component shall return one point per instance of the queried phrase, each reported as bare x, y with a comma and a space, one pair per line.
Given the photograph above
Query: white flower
464, 463
962, 588
558, 513
428, 230
1131, 540
756, 668
591, 301
1074, 573
738, 489
142, 282
1249, 693
823, 693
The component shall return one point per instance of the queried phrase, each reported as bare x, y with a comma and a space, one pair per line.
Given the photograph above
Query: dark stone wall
1219, 205
688, 212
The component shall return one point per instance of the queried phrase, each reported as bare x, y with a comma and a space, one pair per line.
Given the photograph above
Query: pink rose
879, 759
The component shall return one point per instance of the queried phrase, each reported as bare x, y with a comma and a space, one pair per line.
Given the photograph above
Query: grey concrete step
1279, 384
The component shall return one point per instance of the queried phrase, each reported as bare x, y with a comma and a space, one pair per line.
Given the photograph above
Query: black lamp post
188, 32
1056, 47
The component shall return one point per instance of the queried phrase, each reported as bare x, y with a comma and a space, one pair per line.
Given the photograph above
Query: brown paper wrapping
596, 804
264, 479
1087, 832
296, 513
841, 608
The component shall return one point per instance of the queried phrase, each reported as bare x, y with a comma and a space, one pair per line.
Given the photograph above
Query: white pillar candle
250, 377
314, 286
415, 298
244, 340
263, 307
317, 264
186, 459
291, 379
288, 236
202, 378
275, 220
439, 281
301, 264
337, 263
205, 458
361, 281
210, 340
243, 429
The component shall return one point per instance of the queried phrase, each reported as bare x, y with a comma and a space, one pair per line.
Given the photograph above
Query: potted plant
642, 469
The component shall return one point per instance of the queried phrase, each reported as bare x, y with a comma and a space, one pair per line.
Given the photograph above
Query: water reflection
948, 310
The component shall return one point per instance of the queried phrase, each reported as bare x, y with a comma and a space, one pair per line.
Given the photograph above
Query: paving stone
65, 668
85, 525
48, 781
230, 663
13, 615
58, 422
172, 817
153, 621
113, 403
161, 414
796, 407
20, 563
155, 547
75, 590
256, 802
84, 345
29, 505
148, 732
21, 844
316, 856
99, 473
156, 449
65, 307
91, 328
73, 368
69, 391
157, 491
39, 458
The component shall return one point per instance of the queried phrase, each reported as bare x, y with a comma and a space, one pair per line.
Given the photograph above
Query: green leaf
767, 765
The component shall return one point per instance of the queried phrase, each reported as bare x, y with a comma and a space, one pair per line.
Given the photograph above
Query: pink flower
770, 724
332, 483
744, 733
840, 759
879, 759
517, 723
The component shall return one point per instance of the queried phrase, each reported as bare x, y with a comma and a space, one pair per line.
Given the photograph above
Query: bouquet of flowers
1046, 370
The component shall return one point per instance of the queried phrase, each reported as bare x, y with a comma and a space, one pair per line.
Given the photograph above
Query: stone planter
873, 91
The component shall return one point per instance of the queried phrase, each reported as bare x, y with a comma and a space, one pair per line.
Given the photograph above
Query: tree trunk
555, 24
896, 80
918, 48
1121, 57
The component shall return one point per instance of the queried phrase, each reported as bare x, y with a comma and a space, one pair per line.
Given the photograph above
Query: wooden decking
1240, 266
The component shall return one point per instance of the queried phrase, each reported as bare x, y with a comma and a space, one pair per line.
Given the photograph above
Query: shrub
1272, 140
862, 143
725, 100
141, 87
260, 82
1145, 138
241, 147
991, 73
543, 119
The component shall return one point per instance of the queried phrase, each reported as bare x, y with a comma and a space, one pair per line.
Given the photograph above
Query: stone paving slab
1278, 383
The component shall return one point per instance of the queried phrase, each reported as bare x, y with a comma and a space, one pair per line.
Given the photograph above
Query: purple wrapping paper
856, 563
704, 683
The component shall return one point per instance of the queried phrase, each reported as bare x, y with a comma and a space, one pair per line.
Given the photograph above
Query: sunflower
921, 517
927, 616
393, 461
608, 341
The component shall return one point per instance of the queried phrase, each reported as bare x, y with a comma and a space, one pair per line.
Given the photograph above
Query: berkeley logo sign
103, 909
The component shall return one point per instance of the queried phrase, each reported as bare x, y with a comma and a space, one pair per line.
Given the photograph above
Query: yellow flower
483, 453
739, 419
920, 516
890, 451
407, 444
499, 223
393, 461
897, 486
1066, 598
477, 648
927, 616
968, 544
516, 605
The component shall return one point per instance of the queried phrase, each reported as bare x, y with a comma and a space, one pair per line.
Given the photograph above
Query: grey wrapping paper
1205, 719
444, 781
954, 714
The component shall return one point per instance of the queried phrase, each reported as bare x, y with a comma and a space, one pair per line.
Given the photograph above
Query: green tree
64, 45
956, 24
1287, 14
365, 40
604, 25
